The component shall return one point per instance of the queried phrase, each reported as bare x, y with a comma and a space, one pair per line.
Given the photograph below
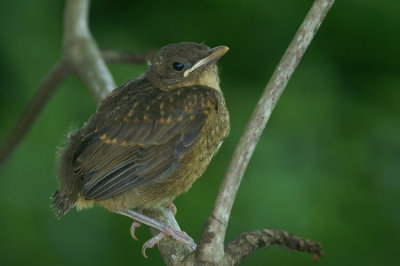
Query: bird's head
185, 64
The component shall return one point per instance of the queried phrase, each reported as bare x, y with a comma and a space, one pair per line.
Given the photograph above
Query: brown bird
149, 139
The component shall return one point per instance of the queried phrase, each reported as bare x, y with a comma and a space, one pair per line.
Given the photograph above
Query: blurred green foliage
326, 168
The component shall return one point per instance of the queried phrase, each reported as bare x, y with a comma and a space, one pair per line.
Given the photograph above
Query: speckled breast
195, 162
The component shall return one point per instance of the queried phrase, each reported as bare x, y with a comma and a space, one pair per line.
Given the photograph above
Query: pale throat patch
208, 78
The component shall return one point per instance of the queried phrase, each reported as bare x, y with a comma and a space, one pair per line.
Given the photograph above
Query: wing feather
145, 141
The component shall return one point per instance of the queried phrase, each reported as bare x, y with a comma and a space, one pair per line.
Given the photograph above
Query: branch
115, 56
35, 106
244, 245
63, 68
81, 56
82, 53
211, 248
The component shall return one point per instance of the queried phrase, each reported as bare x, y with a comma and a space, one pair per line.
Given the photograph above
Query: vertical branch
81, 51
211, 246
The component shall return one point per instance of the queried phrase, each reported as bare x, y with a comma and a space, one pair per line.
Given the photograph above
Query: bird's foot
151, 242
164, 229
177, 235
133, 227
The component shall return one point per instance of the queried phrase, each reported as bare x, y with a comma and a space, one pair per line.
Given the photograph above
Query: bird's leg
135, 225
164, 229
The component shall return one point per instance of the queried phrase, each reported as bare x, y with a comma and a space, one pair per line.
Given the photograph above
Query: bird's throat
208, 78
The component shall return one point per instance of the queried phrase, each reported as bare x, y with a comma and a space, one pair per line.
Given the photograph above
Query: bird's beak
214, 54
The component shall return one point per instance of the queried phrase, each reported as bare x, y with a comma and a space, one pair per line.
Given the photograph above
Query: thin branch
115, 56
74, 40
211, 244
35, 106
82, 56
244, 245
82, 53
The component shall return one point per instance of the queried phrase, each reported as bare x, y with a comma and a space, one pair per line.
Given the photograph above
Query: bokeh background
327, 166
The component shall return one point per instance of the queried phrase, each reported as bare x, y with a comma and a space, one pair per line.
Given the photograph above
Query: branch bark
243, 246
211, 246
81, 51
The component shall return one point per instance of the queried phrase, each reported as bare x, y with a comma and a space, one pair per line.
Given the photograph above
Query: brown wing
143, 139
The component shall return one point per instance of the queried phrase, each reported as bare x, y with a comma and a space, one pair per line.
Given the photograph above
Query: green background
327, 166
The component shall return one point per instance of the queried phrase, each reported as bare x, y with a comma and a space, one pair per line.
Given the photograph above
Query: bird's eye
178, 66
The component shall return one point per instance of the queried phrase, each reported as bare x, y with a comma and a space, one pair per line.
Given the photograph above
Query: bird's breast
193, 164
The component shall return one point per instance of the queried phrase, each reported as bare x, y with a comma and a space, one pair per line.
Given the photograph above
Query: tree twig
58, 73
81, 51
211, 248
36, 104
116, 56
245, 244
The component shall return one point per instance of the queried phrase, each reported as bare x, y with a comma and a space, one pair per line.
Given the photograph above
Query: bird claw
182, 237
175, 234
133, 227
151, 243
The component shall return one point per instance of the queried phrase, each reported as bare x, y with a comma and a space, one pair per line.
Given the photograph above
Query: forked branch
76, 44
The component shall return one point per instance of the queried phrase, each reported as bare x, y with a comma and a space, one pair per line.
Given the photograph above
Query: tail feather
62, 203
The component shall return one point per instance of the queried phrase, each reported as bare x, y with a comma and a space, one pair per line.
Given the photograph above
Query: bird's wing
142, 139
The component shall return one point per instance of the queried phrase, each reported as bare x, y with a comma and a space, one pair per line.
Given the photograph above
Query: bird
150, 139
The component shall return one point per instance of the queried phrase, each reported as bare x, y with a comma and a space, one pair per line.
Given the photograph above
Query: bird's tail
62, 203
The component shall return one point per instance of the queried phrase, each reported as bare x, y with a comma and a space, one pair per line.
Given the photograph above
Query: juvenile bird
149, 139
